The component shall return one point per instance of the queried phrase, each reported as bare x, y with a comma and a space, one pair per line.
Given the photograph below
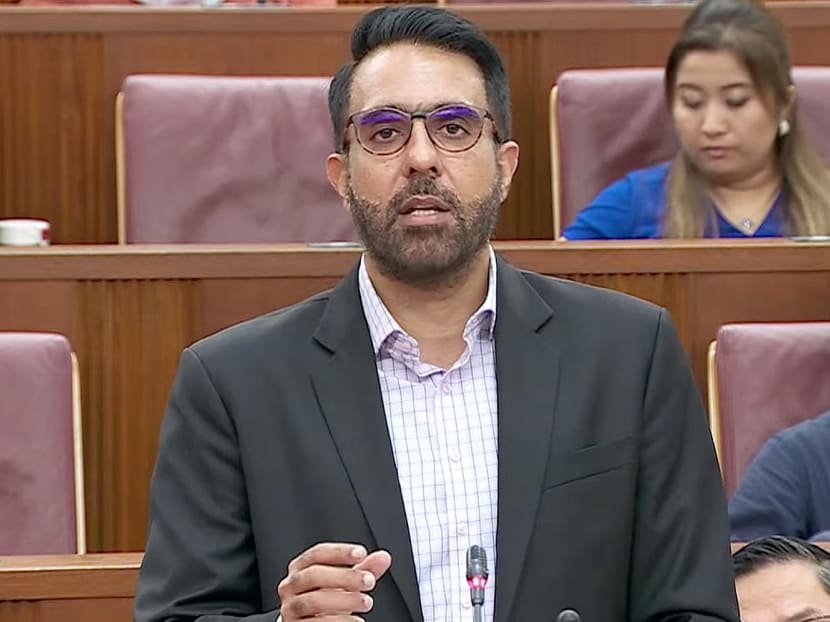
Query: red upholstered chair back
73, 2
41, 483
812, 86
227, 159
606, 123
767, 377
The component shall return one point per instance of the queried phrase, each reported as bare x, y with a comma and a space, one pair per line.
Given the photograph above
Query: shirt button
465, 601
446, 388
455, 455
461, 530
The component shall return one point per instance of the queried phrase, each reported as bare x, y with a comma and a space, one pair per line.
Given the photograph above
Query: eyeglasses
453, 128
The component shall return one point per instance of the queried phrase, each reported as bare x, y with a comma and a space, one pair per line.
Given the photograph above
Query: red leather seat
227, 159
763, 378
41, 476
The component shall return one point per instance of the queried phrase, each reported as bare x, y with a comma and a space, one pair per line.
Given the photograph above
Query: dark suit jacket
610, 499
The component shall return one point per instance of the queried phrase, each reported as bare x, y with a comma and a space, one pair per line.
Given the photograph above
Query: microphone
477, 578
568, 615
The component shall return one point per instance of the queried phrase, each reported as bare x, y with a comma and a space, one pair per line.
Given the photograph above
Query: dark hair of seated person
771, 550
758, 40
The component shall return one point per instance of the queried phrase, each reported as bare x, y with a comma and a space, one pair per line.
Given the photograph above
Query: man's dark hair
429, 26
771, 550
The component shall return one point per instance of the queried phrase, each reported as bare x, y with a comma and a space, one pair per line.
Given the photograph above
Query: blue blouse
633, 208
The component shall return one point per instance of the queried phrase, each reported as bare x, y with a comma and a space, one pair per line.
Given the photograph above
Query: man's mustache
424, 186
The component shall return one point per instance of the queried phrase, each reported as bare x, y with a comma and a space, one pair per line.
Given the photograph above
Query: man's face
424, 213
783, 592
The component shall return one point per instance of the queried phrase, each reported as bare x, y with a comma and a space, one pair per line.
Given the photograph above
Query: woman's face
725, 126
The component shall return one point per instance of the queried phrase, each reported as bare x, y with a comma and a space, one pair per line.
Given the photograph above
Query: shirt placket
458, 528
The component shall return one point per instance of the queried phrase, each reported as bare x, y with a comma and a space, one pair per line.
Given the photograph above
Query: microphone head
568, 615
476, 563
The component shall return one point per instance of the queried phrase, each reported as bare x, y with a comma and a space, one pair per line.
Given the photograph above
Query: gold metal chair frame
120, 170
78, 459
712, 398
555, 173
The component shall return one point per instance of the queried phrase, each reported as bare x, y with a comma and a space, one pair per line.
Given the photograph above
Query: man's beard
426, 256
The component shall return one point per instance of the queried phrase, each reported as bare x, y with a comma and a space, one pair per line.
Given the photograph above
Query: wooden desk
130, 310
60, 69
69, 588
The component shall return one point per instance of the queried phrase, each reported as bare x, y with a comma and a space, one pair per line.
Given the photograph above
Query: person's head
782, 579
731, 96
423, 160
729, 89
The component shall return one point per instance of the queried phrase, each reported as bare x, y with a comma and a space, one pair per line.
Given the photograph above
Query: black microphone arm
477, 578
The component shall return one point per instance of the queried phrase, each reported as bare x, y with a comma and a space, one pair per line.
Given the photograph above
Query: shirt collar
382, 325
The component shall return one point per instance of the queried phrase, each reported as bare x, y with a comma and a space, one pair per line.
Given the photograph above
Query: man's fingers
326, 583
321, 603
327, 578
377, 563
328, 554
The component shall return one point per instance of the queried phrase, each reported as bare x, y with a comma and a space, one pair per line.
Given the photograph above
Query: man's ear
338, 174
507, 159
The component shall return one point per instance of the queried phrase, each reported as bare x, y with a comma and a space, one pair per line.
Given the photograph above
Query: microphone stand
476, 613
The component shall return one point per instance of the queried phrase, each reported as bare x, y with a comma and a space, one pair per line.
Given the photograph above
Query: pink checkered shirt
443, 426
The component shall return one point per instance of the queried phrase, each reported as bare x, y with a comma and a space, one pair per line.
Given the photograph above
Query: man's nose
421, 154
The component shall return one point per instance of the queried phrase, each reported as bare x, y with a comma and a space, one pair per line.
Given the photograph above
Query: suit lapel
345, 380
527, 373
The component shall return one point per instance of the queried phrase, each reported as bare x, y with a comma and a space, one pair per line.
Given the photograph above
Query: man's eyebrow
427, 107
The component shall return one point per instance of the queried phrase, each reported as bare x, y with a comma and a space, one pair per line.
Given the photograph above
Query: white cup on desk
24, 232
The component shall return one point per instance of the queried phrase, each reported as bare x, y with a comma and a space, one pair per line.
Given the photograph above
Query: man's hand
328, 582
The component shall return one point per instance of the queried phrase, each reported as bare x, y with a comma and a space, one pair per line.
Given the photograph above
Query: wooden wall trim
111, 262
517, 18
113, 575
69, 576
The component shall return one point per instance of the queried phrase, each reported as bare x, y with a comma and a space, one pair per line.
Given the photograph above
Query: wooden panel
60, 70
667, 290
68, 610
239, 53
52, 136
223, 302
38, 305
520, 52
48, 577
69, 588
130, 310
130, 336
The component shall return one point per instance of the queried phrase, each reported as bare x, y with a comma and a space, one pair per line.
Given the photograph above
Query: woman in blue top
744, 167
